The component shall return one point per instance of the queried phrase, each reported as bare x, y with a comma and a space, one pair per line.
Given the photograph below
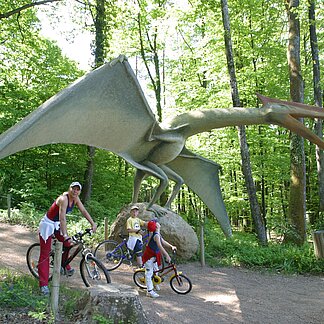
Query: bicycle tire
110, 254
139, 278
32, 258
180, 284
93, 272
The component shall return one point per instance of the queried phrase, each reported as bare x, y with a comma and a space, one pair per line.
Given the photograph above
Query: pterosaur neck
199, 121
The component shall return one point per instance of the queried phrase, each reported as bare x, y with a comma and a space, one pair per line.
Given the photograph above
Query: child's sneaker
157, 288
152, 294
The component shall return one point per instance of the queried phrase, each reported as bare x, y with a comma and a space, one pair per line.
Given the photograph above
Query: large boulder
173, 228
113, 303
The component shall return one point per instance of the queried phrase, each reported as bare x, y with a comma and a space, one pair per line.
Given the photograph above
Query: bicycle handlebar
78, 236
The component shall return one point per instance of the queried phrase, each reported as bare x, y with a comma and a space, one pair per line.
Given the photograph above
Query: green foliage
243, 250
21, 292
102, 320
15, 291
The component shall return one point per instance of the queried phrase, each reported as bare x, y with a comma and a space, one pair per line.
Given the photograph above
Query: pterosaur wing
201, 175
106, 108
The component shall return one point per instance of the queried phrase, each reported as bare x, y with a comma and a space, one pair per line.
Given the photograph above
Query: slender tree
297, 202
100, 16
99, 54
317, 98
150, 49
245, 155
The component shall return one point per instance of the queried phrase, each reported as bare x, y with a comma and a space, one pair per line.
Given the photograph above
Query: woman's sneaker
66, 272
152, 294
69, 272
45, 290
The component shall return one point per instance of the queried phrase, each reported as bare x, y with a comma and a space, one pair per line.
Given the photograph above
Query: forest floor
219, 295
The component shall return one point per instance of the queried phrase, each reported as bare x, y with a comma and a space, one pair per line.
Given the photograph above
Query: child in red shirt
153, 254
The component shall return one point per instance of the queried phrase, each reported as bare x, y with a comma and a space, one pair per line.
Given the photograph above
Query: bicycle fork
91, 267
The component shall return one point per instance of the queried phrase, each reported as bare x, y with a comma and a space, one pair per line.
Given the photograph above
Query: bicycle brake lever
89, 231
74, 239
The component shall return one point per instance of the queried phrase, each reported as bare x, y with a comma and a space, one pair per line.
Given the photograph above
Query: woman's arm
62, 202
86, 214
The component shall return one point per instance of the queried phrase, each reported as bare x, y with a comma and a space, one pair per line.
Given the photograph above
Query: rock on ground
173, 228
116, 302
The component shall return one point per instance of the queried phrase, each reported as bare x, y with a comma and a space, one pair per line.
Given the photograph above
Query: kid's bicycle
92, 270
179, 282
112, 254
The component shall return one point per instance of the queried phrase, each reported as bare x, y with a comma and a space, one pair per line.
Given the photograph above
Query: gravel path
219, 295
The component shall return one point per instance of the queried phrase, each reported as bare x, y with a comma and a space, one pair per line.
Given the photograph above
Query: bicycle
179, 282
112, 254
92, 270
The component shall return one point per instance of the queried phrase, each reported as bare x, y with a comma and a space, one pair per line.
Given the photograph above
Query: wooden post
9, 205
201, 238
56, 279
202, 245
318, 241
106, 228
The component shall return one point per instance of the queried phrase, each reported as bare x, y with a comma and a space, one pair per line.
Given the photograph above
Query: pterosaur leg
139, 176
157, 172
178, 183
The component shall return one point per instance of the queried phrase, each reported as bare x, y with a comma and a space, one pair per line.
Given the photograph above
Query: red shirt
53, 212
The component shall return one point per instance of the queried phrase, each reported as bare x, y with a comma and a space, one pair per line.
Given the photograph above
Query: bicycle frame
179, 282
92, 271
80, 247
74, 254
158, 275
127, 253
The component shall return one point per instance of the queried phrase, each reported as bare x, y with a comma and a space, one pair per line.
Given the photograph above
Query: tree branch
24, 7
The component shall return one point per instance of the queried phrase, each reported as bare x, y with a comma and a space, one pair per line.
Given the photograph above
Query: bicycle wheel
110, 254
180, 284
93, 272
32, 258
139, 278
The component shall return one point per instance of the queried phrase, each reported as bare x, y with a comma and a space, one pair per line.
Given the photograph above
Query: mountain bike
92, 270
179, 282
112, 254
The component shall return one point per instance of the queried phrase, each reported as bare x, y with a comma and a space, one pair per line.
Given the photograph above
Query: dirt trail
219, 295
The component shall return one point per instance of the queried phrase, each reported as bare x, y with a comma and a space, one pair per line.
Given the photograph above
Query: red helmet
151, 226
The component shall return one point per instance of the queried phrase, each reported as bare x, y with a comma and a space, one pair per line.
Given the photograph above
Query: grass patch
19, 294
243, 250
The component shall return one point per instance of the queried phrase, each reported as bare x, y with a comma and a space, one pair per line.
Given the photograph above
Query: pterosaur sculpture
107, 109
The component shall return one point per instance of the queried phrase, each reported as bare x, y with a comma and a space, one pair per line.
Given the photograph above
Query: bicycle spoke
110, 254
139, 278
32, 258
180, 284
93, 272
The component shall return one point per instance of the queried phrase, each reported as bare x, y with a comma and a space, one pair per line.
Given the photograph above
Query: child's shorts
138, 248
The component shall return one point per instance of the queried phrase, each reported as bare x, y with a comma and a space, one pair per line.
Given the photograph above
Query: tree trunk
318, 99
99, 52
88, 176
245, 155
153, 45
297, 201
